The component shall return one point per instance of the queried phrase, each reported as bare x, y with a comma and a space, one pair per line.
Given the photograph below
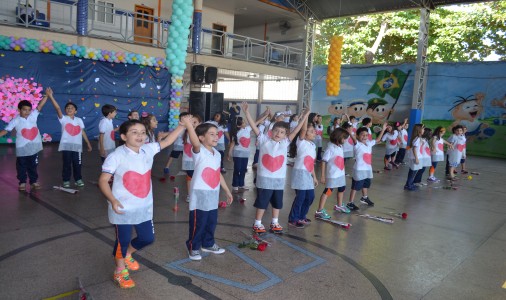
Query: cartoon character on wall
356, 109
377, 110
466, 111
501, 103
336, 108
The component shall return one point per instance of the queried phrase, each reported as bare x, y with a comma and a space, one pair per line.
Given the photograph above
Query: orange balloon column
334, 66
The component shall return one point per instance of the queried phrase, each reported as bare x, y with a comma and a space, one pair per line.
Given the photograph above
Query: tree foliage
469, 34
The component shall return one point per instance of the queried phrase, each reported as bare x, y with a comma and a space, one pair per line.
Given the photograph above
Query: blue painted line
317, 260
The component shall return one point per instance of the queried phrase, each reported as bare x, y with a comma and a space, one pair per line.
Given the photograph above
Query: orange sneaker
123, 280
276, 228
131, 264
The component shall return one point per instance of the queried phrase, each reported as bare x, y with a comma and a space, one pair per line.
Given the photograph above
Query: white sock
258, 222
274, 220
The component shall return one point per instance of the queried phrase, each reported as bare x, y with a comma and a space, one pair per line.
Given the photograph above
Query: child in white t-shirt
333, 174
187, 161
424, 157
106, 139
403, 142
391, 141
414, 160
130, 201
437, 151
319, 137
71, 142
28, 141
205, 190
458, 142
177, 148
271, 172
304, 179
362, 169
221, 124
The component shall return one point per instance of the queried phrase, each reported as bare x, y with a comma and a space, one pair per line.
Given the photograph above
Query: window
282, 90
101, 11
238, 89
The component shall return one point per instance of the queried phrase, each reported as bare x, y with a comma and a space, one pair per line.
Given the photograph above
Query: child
71, 142
271, 172
205, 190
333, 174
348, 143
424, 157
319, 138
303, 176
403, 136
130, 202
221, 124
455, 154
294, 121
362, 169
391, 139
177, 148
106, 143
413, 156
336, 123
464, 152
367, 123
437, 151
133, 115
151, 124
262, 127
28, 141
188, 163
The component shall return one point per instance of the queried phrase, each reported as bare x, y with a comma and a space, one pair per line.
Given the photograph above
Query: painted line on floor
63, 295
504, 285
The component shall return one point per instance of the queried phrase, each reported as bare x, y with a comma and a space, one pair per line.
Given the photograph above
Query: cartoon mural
466, 111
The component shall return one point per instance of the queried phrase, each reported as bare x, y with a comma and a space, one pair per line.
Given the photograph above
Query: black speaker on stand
197, 104
211, 74
205, 104
214, 104
197, 74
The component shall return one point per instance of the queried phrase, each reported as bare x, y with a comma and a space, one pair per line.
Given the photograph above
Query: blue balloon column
182, 11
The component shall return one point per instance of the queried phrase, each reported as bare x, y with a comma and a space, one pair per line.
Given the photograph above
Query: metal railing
117, 24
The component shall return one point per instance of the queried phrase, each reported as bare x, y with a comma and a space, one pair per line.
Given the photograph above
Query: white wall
274, 35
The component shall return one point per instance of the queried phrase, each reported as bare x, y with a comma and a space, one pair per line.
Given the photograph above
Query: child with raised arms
362, 169
414, 160
130, 201
458, 142
205, 190
221, 124
177, 148
71, 142
333, 174
437, 151
403, 142
28, 141
271, 172
303, 175
391, 140
188, 163
319, 137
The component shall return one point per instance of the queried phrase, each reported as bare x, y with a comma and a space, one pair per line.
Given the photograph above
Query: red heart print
244, 142
269, 133
309, 163
440, 147
460, 147
393, 142
367, 158
350, 141
406, 138
370, 137
30, 134
421, 149
211, 177
220, 134
187, 148
73, 130
113, 136
427, 150
273, 163
339, 161
137, 184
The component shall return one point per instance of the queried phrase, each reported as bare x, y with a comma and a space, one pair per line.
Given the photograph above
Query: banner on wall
89, 84
470, 94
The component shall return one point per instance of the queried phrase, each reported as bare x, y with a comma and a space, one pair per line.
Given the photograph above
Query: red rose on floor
262, 246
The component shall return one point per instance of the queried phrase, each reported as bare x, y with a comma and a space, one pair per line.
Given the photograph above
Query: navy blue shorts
328, 191
189, 174
361, 184
266, 196
175, 154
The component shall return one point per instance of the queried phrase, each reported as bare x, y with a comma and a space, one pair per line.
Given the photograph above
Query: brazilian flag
388, 83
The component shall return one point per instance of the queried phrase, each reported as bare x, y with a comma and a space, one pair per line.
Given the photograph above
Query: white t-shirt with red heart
348, 146
404, 138
188, 163
205, 184
437, 154
28, 140
304, 165
72, 134
106, 128
319, 133
178, 144
424, 154
132, 183
391, 143
416, 147
362, 169
241, 146
271, 172
334, 160
459, 145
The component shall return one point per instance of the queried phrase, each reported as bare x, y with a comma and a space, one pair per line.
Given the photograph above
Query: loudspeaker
205, 104
197, 74
211, 74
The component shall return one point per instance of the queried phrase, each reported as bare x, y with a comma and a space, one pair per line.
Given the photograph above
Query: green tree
455, 35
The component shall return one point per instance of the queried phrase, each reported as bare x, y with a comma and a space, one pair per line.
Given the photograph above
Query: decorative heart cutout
393, 142
158, 86
367, 158
273, 163
73, 130
144, 103
143, 85
460, 147
244, 142
220, 134
309, 163
187, 148
137, 184
30, 134
440, 147
211, 177
97, 104
113, 136
97, 79
339, 161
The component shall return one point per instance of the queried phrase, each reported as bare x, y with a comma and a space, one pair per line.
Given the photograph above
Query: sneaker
276, 228
352, 206
223, 171
194, 255
367, 201
165, 170
35, 186
243, 188
66, 184
214, 249
235, 189
22, 187
131, 264
396, 165
464, 172
259, 228
188, 199
431, 179
387, 168
80, 183
322, 214
342, 209
123, 280
297, 224
410, 188
306, 221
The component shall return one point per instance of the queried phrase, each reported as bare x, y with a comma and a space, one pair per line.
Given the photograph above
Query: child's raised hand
186, 120
49, 92
244, 106
385, 126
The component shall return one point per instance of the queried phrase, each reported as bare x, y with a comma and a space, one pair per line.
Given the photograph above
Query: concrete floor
452, 246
